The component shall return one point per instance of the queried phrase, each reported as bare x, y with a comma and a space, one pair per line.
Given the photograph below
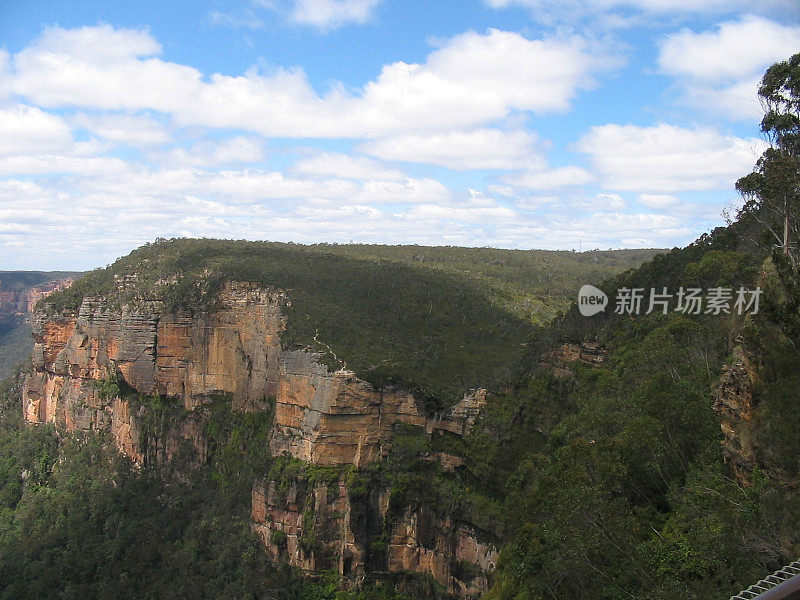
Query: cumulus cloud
124, 129
461, 150
101, 67
470, 80
175, 151
721, 68
666, 158
216, 153
60, 216
29, 130
60, 164
334, 164
551, 178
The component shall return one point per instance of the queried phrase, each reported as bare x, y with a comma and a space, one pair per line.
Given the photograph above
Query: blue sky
509, 123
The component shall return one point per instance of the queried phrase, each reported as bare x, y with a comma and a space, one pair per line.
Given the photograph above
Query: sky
571, 124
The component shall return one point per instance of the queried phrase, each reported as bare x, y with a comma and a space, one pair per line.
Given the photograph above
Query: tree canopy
772, 190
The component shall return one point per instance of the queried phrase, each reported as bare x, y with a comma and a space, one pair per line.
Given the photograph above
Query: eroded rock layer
338, 419
733, 403
90, 368
193, 357
323, 527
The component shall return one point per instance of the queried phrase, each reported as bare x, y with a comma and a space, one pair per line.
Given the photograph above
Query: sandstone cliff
324, 526
733, 403
91, 368
22, 302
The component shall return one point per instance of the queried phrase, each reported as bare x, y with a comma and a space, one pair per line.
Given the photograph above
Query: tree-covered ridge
613, 483
438, 321
532, 284
19, 281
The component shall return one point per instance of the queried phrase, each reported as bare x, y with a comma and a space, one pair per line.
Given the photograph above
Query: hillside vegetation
19, 281
16, 343
438, 321
613, 483
605, 484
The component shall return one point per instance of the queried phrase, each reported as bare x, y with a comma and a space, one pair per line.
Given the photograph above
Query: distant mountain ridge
437, 320
19, 293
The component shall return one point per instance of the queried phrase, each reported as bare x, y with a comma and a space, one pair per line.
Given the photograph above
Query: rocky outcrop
560, 358
321, 527
193, 357
733, 403
97, 369
338, 419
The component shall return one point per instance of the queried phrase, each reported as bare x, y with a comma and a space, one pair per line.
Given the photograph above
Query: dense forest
437, 320
603, 481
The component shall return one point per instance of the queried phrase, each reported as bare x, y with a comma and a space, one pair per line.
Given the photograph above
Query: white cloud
102, 43
461, 150
330, 14
733, 50
689, 211
60, 216
617, 12
400, 192
537, 203
721, 68
581, 203
471, 80
100, 67
469, 214
464, 107
658, 201
665, 158
59, 163
608, 202
332, 164
589, 230
551, 179
5, 74
340, 212
501, 190
249, 186
124, 129
493, 73
29, 130
244, 19
236, 150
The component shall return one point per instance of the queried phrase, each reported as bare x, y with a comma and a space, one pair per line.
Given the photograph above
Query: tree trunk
786, 226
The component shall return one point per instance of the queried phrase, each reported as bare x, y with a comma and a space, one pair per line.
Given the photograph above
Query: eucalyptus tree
772, 190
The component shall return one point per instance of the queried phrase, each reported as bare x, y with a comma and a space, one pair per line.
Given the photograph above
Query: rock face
322, 417
560, 358
232, 352
338, 419
323, 527
733, 403
13, 302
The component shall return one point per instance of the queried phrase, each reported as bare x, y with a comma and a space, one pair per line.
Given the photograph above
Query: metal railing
771, 582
